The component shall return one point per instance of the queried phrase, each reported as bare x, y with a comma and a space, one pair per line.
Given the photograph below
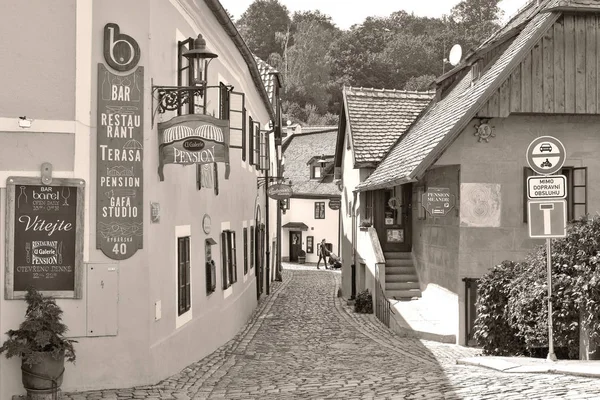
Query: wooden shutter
216, 180
578, 189
237, 121
527, 172
245, 238
225, 261
250, 141
257, 133
233, 260
252, 238
223, 101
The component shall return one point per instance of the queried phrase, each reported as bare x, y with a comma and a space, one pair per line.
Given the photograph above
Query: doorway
392, 211
295, 245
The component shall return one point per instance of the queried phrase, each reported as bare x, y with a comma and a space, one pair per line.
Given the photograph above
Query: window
229, 265
263, 150
319, 210
369, 206
315, 172
245, 251
252, 238
310, 242
576, 191
183, 275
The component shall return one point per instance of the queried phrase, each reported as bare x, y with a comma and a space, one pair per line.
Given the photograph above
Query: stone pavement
303, 342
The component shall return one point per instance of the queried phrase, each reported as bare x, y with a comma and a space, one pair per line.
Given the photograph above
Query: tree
422, 82
259, 24
475, 20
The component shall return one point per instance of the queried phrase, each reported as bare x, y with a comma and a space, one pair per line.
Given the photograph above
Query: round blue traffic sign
546, 155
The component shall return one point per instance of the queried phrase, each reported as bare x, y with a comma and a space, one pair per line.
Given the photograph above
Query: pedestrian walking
323, 253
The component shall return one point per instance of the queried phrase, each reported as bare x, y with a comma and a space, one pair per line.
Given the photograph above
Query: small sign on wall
310, 240
395, 235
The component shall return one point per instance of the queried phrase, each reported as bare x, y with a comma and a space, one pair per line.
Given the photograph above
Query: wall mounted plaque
120, 160
44, 237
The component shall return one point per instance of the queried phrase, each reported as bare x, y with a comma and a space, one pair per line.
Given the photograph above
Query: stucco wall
145, 350
303, 210
350, 203
498, 165
38, 74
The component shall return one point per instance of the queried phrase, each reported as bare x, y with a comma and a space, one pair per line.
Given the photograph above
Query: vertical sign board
120, 150
44, 242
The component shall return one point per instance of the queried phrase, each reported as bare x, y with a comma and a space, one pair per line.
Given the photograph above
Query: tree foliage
259, 24
316, 59
512, 303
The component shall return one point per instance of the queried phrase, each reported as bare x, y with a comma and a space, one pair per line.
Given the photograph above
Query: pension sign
545, 187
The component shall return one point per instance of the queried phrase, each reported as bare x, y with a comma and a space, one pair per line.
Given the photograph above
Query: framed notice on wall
310, 241
44, 237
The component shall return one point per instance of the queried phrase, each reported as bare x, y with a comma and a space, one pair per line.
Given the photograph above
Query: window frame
229, 259
182, 231
319, 210
313, 169
184, 283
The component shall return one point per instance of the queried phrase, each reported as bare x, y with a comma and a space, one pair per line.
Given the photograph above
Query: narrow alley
303, 342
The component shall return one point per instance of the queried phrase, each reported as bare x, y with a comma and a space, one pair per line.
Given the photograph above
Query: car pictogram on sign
546, 147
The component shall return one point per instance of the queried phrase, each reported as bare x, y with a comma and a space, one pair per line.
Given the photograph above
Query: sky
345, 13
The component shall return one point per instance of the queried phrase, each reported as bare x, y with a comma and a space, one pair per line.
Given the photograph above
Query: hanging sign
44, 237
120, 160
335, 204
193, 139
121, 52
280, 191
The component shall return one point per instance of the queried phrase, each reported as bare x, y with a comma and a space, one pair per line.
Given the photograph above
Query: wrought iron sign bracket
173, 98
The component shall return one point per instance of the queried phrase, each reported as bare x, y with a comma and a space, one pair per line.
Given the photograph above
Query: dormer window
315, 172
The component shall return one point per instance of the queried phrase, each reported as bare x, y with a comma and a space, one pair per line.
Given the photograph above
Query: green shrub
512, 303
492, 331
364, 302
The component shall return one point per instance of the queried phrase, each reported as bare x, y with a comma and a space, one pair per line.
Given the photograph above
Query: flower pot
44, 376
301, 259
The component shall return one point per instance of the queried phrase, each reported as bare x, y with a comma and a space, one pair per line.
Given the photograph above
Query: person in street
323, 253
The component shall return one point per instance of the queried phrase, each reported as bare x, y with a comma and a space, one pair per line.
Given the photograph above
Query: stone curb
510, 367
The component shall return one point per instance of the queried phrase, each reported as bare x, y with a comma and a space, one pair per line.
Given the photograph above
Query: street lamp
199, 58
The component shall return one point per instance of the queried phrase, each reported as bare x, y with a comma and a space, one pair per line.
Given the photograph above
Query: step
398, 262
397, 254
402, 278
403, 294
399, 270
401, 285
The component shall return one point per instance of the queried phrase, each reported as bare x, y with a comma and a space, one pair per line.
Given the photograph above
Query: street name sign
544, 187
547, 218
546, 155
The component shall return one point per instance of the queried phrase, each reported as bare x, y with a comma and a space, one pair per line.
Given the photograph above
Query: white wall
303, 210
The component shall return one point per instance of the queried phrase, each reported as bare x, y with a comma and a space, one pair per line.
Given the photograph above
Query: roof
269, 77
298, 150
378, 117
296, 225
427, 139
573, 5
223, 18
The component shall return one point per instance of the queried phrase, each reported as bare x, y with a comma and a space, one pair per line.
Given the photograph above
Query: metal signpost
547, 209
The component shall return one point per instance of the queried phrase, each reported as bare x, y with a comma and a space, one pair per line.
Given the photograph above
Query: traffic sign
547, 218
544, 187
546, 155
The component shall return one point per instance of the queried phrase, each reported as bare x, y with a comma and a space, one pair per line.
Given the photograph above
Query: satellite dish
455, 54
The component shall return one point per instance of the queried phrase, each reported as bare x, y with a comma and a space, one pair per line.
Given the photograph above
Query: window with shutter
184, 294
319, 210
225, 261
250, 141
257, 133
252, 238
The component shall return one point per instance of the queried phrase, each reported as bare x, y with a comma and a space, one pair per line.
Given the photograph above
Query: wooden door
392, 209
295, 245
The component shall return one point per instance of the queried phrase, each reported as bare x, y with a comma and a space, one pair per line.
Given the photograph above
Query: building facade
312, 213
534, 77
170, 249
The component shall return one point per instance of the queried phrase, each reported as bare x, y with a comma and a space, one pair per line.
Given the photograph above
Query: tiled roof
378, 117
428, 138
299, 150
574, 5
269, 77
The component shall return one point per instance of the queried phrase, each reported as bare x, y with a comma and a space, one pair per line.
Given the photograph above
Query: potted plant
301, 257
41, 344
365, 224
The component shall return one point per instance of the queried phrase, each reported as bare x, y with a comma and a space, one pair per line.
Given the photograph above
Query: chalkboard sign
44, 237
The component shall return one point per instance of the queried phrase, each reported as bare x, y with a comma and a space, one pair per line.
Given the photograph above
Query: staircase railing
383, 308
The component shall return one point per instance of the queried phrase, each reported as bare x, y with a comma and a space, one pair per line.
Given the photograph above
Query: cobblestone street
303, 342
